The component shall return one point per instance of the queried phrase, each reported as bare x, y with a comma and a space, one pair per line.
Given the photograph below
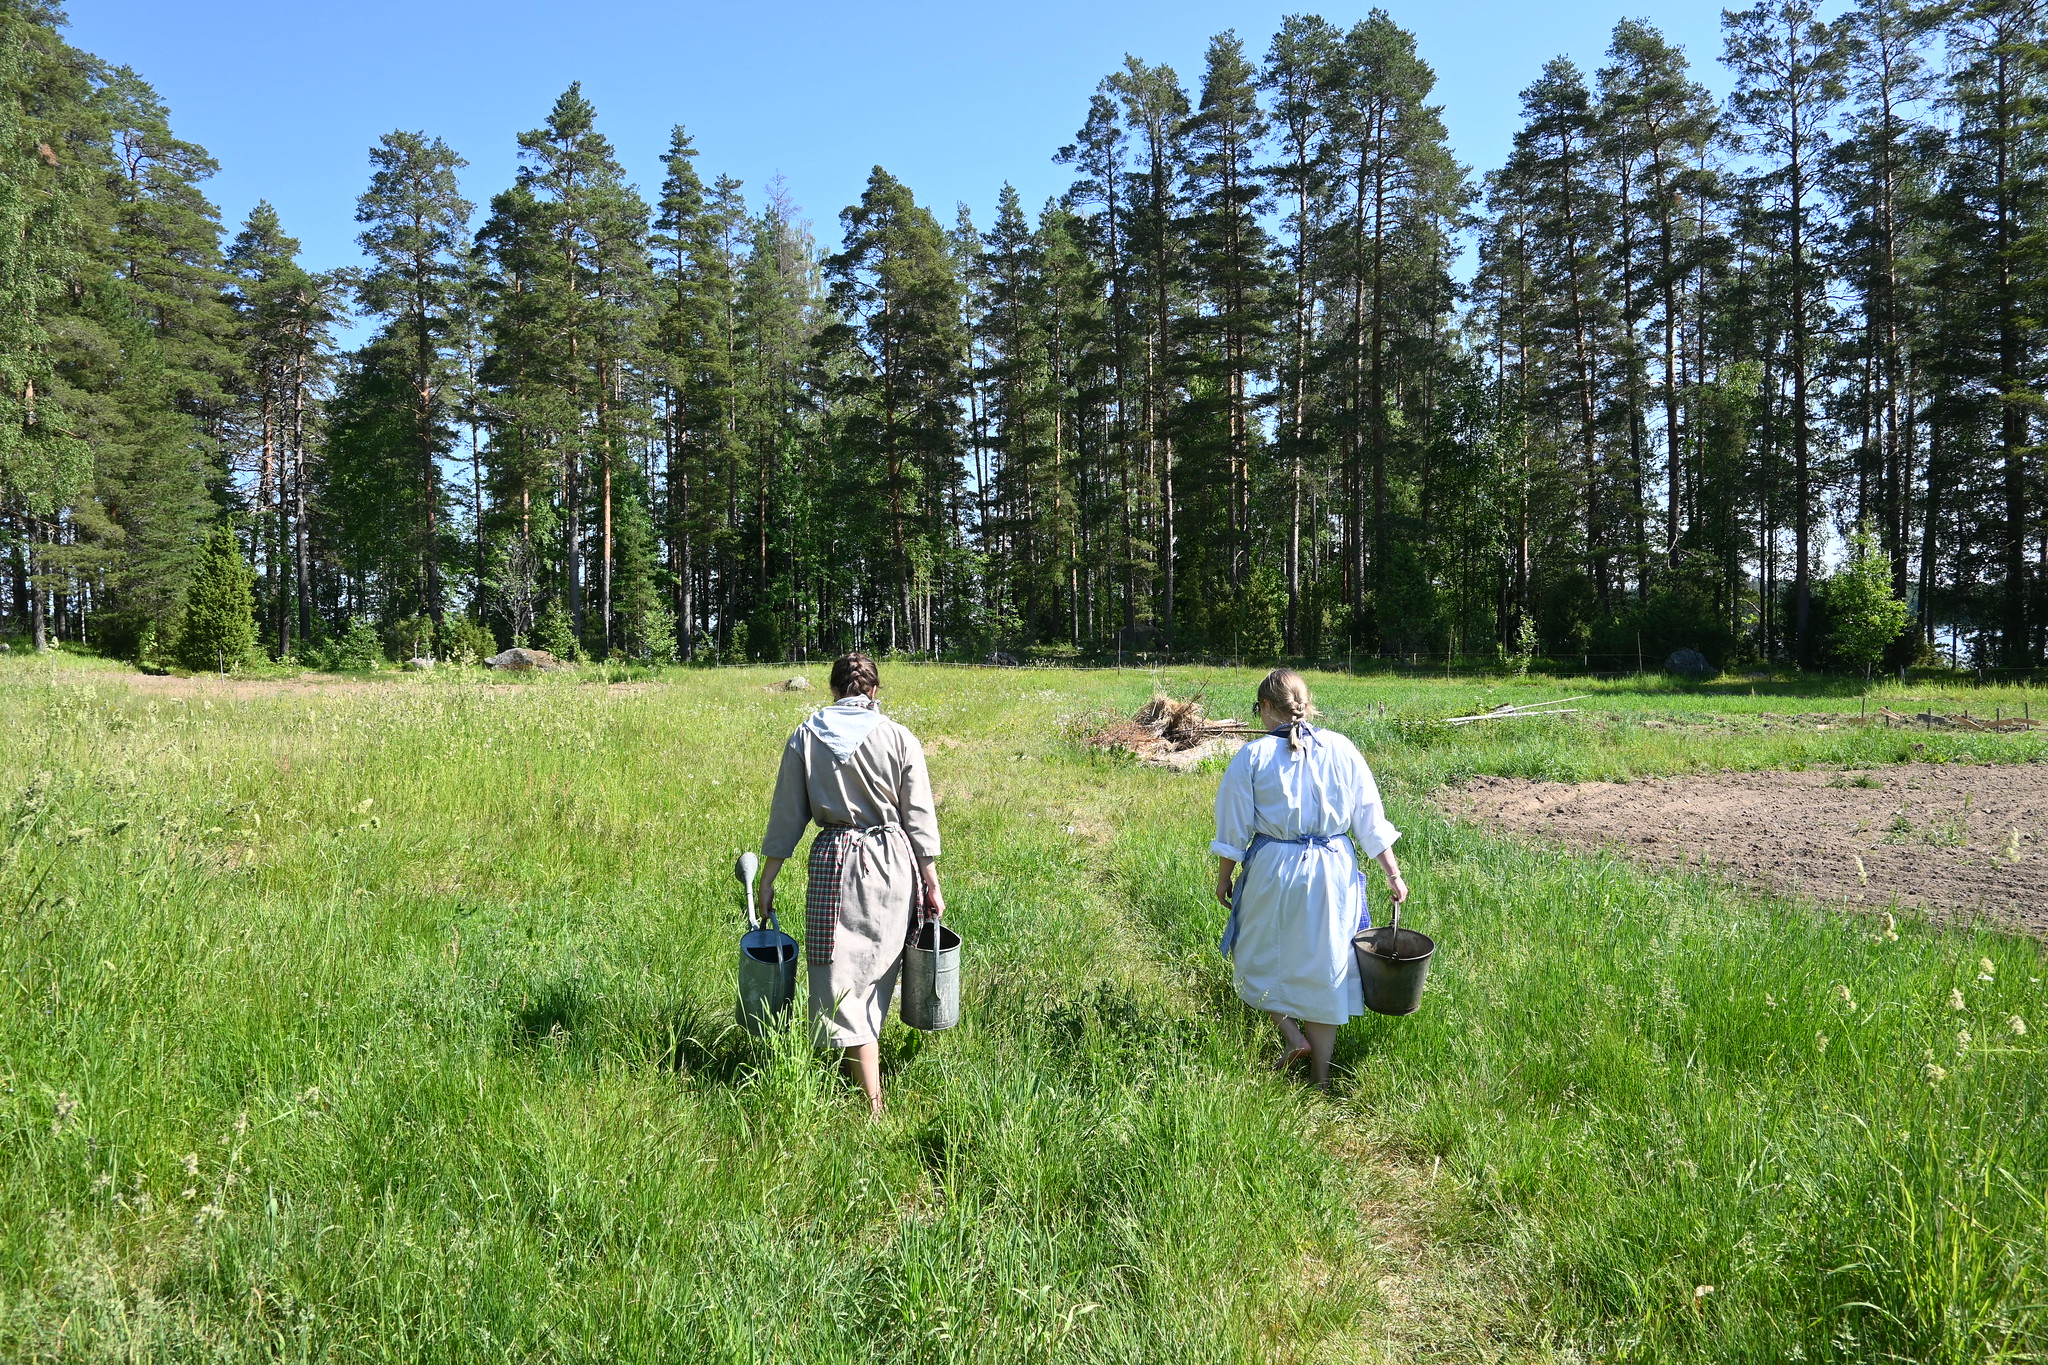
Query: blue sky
952, 99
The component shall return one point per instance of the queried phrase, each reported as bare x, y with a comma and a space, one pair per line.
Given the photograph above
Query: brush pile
1173, 733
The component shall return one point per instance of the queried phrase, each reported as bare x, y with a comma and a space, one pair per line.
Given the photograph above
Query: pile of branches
1167, 726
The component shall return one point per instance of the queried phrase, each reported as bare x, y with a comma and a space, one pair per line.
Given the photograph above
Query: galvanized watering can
1393, 963
767, 962
931, 977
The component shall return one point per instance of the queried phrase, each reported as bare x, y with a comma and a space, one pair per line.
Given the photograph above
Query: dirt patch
1957, 840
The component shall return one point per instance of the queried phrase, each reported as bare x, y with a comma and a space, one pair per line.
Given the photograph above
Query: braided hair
1286, 691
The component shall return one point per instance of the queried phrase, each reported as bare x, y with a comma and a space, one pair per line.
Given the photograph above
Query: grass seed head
1936, 1074
1820, 1042
1955, 998
1985, 970
2017, 1026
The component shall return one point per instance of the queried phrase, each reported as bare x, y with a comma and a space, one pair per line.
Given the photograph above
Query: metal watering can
931, 977
1392, 964
767, 962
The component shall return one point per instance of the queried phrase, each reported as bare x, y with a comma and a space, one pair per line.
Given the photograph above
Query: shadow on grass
549, 1014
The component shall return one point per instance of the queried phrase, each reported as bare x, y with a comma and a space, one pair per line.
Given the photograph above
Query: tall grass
391, 1021
394, 1024
1712, 1125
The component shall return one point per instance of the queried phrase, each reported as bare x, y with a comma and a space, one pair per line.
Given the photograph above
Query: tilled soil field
1956, 840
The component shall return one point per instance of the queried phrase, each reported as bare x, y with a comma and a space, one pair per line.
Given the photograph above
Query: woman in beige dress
861, 777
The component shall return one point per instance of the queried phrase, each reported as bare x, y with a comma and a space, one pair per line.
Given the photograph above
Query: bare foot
1293, 1055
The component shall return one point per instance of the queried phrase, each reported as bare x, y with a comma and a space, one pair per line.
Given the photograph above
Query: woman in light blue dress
1282, 811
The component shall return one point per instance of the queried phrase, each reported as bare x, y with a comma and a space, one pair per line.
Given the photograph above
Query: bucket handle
1393, 945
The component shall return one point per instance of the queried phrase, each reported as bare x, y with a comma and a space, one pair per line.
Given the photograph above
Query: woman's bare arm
1226, 868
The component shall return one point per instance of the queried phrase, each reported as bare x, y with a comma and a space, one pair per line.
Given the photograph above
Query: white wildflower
1936, 1074
1891, 928
191, 1163
1985, 970
1962, 1042
66, 1106
2017, 1025
1955, 999
1820, 1042
1700, 1291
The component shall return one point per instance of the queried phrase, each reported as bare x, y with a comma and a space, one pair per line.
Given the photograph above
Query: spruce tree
896, 283
219, 629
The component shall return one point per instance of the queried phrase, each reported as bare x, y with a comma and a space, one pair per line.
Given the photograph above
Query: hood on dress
844, 724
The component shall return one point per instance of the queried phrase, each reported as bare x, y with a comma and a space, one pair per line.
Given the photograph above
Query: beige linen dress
875, 805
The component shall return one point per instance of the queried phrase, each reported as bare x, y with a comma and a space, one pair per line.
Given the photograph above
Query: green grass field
390, 1020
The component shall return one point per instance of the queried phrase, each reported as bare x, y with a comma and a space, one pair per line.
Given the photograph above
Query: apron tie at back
1228, 942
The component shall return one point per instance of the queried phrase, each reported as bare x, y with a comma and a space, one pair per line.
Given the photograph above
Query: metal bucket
1393, 963
931, 978
767, 977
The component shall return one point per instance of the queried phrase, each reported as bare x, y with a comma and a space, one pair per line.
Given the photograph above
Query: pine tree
415, 220
1155, 110
1655, 121
1230, 269
43, 463
1400, 185
694, 347
219, 630
1296, 74
1996, 272
1883, 181
1789, 77
286, 312
585, 273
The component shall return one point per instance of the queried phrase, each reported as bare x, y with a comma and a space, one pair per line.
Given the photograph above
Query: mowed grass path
391, 1022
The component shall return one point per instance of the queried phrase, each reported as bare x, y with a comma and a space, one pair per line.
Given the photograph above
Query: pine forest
1275, 376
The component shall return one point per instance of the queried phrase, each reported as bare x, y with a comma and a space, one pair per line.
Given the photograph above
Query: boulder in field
521, 660
1688, 663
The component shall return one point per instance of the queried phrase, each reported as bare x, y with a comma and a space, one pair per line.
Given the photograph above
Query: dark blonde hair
853, 673
1286, 691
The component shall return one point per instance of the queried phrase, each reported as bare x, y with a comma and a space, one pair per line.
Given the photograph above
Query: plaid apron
825, 894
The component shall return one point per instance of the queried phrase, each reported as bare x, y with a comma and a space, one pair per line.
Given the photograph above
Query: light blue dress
1300, 899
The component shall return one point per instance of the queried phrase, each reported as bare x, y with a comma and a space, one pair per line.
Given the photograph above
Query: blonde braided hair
1286, 691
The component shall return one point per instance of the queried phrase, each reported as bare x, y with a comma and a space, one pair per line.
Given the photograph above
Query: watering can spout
745, 869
